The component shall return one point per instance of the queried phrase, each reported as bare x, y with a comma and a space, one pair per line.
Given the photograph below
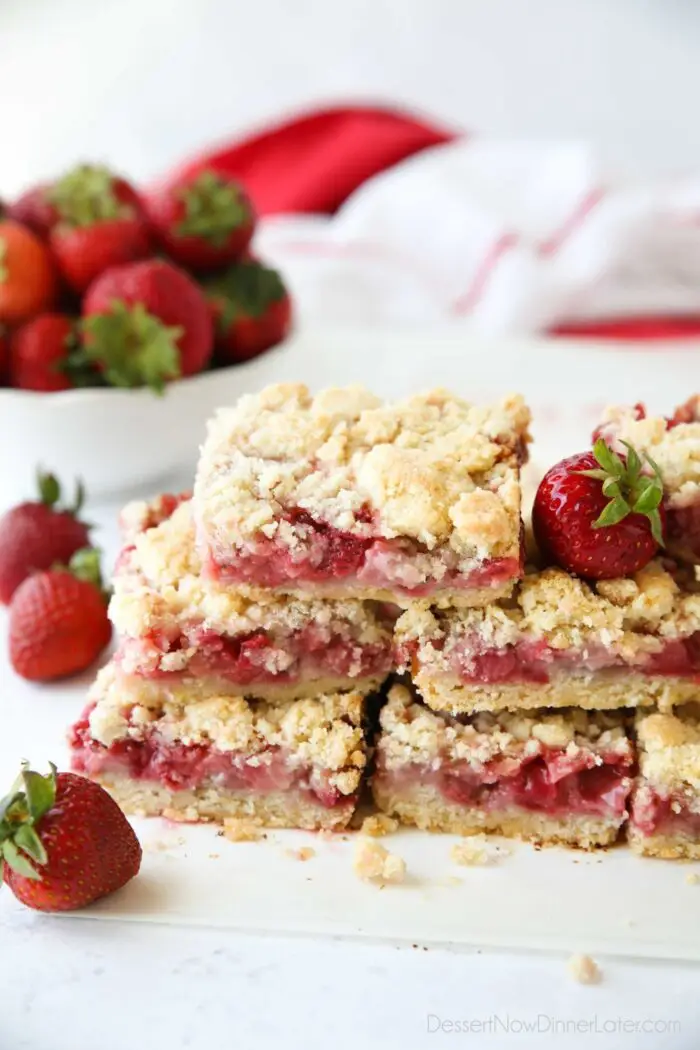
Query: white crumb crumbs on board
373, 863
162, 845
475, 851
692, 878
379, 824
236, 829
584, 969
304, 853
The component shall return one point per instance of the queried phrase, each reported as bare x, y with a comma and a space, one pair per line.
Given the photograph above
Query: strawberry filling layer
181, 767
256, 657
536, 662
323, 555
656, 814
551, 782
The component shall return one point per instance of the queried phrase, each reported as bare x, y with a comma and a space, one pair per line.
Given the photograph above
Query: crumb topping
379, 824
159, 587
636, 616
676, 449
669, 748
413, 734
434, 468
584, 969
475, 851
374, 863
242, 829
324, 732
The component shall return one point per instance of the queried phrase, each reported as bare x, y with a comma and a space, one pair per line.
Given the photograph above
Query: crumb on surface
584, 969
214, 856
476, 850
692, 878
373, 863
453, 880
242, 830
304, 853
379, 824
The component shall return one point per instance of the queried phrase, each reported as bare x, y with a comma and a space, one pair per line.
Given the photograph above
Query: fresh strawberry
598, 515
64, 842
146, 323
58, 620
99, 224
45, 355
37, 535
688, 412
34, 210
28, 284
203, 222
251, 309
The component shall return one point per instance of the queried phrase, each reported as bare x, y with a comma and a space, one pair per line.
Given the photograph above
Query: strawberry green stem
86, 195
214, 208
132, 347
629, 488
30, 798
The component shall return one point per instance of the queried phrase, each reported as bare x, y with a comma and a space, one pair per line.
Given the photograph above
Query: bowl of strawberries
126, 318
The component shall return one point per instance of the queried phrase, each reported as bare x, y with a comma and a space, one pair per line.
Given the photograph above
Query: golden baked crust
275, 809
424, 807
325, 732
635, 616
412, 734
433, 468
675, 449
669, 750
159, 587
665, 847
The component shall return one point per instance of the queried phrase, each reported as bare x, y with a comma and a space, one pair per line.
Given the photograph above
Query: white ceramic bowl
117, 441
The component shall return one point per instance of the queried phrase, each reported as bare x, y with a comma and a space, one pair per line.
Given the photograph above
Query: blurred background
141, 83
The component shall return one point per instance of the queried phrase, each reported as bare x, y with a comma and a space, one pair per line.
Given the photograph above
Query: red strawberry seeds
64, 842
598, 515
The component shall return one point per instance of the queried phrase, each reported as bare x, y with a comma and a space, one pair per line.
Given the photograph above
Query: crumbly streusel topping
159, 587
324, 732
635, 616
675, 449
140, 515
374, 863
433, 468
669, 748
413, 733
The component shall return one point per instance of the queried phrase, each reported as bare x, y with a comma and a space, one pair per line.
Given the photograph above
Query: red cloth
314, 162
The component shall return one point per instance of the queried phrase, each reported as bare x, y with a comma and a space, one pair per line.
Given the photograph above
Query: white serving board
609, 902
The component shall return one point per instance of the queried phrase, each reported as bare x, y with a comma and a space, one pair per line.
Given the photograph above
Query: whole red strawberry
36, 535
64, 842
58, 620
598, 515
28, 278
45, 355
251, 308
145, 324
203, 222
99, 223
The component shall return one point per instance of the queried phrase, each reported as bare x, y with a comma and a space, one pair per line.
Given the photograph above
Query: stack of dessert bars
341, 556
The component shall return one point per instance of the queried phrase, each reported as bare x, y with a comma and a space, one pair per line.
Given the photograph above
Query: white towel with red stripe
504, 237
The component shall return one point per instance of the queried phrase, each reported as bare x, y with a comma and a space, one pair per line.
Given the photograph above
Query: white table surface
70, 984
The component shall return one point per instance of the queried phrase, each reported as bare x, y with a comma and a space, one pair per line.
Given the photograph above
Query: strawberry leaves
214, 207
628, 486
133, 347
32, 796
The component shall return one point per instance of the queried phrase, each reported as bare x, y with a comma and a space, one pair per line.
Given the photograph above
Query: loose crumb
373, 863
304, 853
584, 969
476, 850
237, 829
379, 824
452, 880
692, 878
214, 856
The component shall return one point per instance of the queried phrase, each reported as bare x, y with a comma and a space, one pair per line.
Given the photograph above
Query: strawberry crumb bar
674, 444
339, 495
561, 642
665, 820
176, 625
296, 764
549, 777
